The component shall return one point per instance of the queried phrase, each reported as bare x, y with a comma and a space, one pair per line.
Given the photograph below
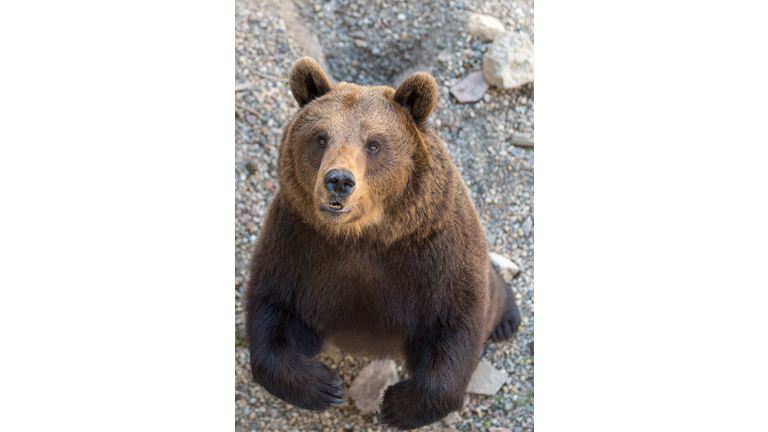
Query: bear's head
351, 153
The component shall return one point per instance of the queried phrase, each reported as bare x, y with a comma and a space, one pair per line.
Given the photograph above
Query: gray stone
452, 419
509, 61
359, 34
486, 380
470, 89
484, 27
527, 225
445, 55
368, 388
240, 333
491, 237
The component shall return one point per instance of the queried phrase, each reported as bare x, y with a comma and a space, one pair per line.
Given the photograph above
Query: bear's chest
360, 290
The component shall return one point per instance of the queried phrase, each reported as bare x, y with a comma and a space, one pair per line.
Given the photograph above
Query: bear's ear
417, 94
308, 81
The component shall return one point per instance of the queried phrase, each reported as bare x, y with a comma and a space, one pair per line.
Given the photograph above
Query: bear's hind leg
505, 316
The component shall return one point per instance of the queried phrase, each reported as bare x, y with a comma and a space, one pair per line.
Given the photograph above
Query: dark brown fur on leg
504, 314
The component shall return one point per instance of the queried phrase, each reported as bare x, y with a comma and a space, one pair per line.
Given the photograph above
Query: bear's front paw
316, 388
406, 405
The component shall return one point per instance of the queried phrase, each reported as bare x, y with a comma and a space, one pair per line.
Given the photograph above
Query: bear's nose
340, 182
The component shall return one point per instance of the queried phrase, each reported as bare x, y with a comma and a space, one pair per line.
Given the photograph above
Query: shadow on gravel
377, 45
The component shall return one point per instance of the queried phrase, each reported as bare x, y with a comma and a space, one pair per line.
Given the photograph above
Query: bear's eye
321, 141
372, 148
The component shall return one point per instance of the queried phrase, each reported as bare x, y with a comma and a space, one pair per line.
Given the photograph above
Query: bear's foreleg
442, 361
282, 347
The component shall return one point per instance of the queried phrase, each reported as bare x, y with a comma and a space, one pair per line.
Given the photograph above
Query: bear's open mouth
334, 206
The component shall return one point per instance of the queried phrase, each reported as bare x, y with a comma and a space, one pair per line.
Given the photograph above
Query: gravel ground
381, 42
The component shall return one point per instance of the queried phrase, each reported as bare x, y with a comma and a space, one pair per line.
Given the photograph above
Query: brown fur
404, 273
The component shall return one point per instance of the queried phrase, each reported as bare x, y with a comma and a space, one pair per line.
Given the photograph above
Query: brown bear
371, 243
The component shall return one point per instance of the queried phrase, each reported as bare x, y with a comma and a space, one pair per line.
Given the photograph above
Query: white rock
509, 61
368, 388
503, 262
507, 269
486, 380
484, 27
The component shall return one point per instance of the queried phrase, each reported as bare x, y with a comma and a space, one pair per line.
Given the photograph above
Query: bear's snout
339, 182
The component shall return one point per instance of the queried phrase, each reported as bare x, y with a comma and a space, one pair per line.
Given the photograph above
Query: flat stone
527, 225
521, 140
452, 418
471, 88
485, 27
486, 380
368, 387
509, 61
499, 430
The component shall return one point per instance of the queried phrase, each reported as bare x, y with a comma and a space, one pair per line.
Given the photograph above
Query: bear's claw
505, 330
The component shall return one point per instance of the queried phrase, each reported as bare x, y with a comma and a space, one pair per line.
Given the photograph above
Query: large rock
509, 61
368, 388
484, 27
486, 380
